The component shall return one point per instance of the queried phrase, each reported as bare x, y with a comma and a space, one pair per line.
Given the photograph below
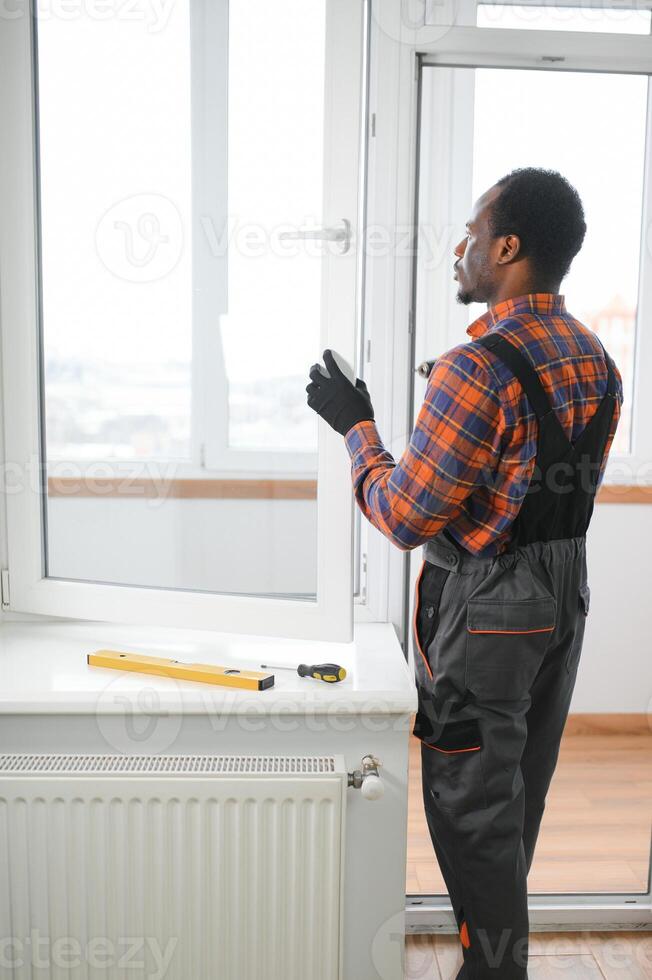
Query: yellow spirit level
252, 680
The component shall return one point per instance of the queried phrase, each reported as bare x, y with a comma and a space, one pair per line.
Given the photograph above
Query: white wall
615, 671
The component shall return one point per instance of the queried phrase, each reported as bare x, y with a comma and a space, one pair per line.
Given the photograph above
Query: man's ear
510, 249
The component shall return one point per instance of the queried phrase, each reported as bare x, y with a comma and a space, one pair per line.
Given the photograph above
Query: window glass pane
142, 484
603, 20
114, 118
601, 150
271, 331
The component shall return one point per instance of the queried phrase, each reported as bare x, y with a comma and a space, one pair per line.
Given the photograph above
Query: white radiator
177, 867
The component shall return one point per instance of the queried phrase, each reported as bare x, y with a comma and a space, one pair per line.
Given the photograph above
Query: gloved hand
339, 402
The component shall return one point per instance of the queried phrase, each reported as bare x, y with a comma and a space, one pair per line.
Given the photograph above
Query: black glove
339, 402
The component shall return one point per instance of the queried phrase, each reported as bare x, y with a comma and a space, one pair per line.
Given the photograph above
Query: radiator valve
367, 779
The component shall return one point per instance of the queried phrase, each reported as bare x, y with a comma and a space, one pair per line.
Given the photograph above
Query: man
498, 482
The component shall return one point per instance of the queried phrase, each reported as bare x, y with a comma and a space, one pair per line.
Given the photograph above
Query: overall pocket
428, 591
451, 768
575, 650
505, 644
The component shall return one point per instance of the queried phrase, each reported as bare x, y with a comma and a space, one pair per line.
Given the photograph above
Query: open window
508, 86
187, 248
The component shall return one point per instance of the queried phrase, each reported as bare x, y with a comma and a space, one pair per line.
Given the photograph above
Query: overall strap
523, 370
528, 377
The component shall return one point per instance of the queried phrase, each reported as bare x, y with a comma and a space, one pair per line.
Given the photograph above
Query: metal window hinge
373, 124
368, 350
4, 588
411, 321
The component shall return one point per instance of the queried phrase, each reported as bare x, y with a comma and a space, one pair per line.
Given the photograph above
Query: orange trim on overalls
545, 629
414, 620
464, 936
474, 748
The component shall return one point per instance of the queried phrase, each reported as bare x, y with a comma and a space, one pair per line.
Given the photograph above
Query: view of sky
591, 128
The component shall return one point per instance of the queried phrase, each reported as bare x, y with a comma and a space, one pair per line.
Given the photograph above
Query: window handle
424, 368
337, 233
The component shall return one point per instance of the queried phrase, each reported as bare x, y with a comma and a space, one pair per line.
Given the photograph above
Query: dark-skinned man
498, 484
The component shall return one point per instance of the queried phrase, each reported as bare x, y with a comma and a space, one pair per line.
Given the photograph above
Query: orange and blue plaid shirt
472, 451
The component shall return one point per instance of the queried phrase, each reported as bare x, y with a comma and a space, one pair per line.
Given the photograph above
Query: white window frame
399, 39
330, 617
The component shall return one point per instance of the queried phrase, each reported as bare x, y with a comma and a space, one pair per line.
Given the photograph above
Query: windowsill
620, 493
254, 487
43, 670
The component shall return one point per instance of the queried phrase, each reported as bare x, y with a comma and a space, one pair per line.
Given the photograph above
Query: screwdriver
322, 672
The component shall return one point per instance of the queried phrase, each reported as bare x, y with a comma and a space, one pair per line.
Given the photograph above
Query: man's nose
459, 248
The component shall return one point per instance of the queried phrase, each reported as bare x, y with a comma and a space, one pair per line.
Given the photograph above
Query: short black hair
545, 211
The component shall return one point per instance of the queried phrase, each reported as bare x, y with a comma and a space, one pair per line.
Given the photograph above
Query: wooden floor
552, 956
595, 833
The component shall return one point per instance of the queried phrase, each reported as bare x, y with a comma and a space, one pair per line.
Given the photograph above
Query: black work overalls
498, 641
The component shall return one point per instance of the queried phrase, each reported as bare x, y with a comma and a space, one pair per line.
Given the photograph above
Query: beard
483, 286
464, 296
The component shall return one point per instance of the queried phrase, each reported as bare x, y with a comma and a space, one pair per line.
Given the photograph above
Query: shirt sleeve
454, 448
615, 419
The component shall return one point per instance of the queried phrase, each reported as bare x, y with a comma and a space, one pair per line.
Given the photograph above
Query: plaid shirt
476, 422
